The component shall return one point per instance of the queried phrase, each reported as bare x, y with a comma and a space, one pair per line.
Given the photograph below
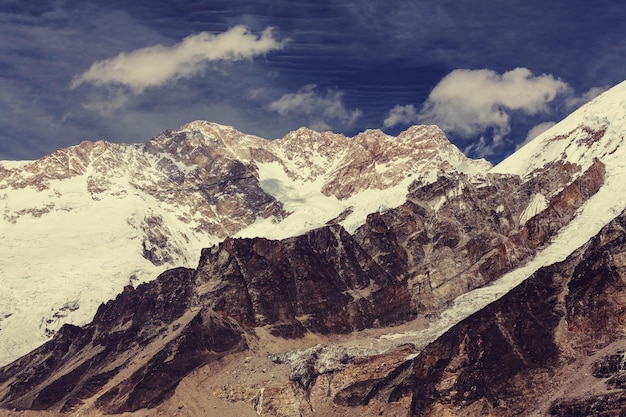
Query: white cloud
481, 103
468, 102
594, 92
403, 115
156, 65
472, 103
319, 108
484, 147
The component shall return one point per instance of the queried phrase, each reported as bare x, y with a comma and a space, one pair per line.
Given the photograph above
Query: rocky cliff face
131, 356
462, 232
531, 352
553, 346
322, 282
140, 345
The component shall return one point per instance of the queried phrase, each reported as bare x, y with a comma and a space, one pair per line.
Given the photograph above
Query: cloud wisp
469, 103
321, 110
157, 65
401, 115
536, 131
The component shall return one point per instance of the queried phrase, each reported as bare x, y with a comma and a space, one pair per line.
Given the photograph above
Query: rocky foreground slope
553, 346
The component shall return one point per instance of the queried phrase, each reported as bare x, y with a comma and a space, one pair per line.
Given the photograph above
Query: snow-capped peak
83, 222
596, 130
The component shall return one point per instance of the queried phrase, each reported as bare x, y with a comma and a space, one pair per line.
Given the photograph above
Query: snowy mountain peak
596, 130
434, 142
199, 140
83, 222
304, 131
58, 165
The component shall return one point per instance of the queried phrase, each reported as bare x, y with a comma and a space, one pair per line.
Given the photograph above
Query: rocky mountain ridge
154, 206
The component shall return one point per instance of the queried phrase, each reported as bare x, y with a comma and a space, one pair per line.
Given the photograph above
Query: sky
491, 73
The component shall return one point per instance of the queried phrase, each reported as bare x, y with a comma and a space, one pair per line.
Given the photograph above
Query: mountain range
210, 272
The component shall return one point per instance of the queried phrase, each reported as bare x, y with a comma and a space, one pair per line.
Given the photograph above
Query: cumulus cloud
594, 92
321, 109
157, 65
484, 147
469, 102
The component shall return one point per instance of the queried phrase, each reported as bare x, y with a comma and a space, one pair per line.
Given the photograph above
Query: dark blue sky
486, 71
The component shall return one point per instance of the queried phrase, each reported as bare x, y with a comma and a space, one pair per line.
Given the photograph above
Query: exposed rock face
445, 239
156, 205
422, 150
142, 344
462, 232
131, 356
207, 167
322, 281
523, 354
609, 371
379, 377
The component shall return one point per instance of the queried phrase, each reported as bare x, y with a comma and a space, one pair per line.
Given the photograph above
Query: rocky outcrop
609, 370
491, 356
322, 281
462, 232
420, 150
492, 362
131, 356
523, 354
562, 208
453, 235
141, 345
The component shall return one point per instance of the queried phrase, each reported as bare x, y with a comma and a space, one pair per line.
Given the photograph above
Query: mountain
81, 223
478, 291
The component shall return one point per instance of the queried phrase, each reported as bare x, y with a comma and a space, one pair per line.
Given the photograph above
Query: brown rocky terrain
553, 346
463, 232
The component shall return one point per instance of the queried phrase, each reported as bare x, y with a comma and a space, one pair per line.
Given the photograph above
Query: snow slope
596, 130
59, 264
